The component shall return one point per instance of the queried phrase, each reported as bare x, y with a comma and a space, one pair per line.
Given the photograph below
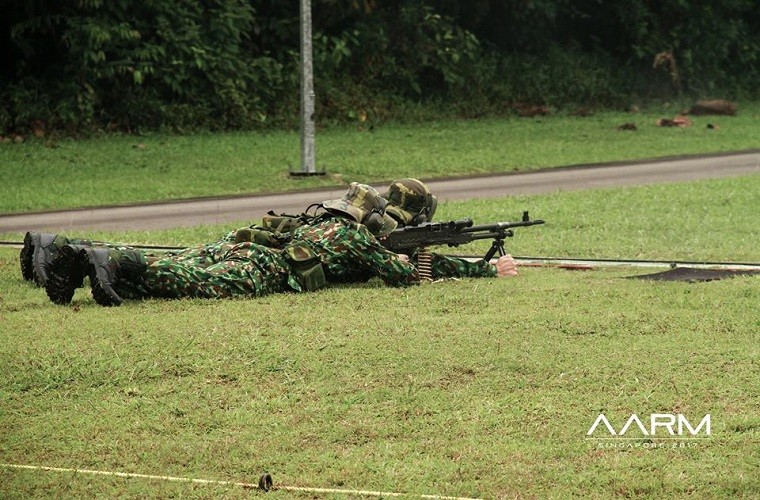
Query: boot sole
26, 255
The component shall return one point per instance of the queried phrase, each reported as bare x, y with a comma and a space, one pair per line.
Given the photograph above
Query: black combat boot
103, 277
66, 273
37, 254
44, 253
110, 267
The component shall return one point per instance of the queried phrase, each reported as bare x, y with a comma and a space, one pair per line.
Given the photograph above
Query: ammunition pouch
306, 266
263, 237
282, 223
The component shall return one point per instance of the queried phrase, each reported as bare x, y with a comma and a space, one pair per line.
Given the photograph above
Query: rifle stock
453, 234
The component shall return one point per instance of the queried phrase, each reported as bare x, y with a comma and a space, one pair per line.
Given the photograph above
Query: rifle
455, 233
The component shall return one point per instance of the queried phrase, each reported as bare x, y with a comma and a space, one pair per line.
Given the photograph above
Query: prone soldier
408, 201
333, 247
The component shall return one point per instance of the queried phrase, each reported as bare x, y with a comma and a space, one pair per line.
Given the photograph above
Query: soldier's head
410, 202
363, 204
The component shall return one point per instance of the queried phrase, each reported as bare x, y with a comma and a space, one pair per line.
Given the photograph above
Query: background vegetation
81, 65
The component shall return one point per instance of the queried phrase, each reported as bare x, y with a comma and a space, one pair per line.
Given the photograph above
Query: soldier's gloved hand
506, 266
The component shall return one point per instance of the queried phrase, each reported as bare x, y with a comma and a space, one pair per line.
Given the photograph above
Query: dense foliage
233, 64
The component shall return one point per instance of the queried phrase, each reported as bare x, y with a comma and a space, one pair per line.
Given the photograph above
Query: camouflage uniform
244, 269
344, 248
201, 255
444, 266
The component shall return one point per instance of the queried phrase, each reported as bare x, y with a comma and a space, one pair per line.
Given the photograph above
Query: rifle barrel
500, 226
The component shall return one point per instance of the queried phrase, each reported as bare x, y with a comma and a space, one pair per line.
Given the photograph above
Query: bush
80, 65
132, 64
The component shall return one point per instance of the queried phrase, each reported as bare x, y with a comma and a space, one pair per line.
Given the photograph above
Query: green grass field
56, 174
481, 388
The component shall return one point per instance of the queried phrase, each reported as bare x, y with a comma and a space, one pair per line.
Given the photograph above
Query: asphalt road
239, 208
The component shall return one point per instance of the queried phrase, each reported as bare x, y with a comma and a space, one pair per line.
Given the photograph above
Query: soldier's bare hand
506, 266
403, 257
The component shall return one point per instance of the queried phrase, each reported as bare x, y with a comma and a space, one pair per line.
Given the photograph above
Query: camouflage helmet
410, 202
363, 204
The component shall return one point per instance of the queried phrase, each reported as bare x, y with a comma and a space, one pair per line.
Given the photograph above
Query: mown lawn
55, 174
474, 388
481, 388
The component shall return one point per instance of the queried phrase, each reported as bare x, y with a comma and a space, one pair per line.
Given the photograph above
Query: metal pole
307, 95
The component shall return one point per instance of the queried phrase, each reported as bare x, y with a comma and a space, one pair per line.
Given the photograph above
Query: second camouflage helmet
410, 202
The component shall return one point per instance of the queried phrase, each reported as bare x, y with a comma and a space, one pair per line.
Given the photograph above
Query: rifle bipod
497, 246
